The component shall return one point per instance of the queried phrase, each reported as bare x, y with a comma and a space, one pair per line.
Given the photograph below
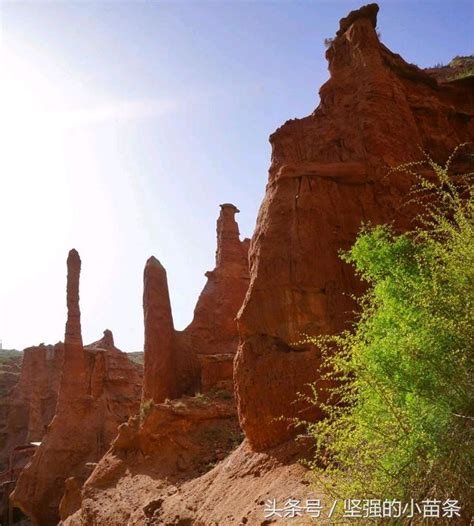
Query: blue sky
126, 124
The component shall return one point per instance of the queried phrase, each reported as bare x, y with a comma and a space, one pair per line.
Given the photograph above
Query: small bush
201, 397
145, 408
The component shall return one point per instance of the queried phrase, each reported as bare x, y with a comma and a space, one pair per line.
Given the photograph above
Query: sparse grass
462, 74
201, 397
136, 357
461, 60
222, 394
145, 408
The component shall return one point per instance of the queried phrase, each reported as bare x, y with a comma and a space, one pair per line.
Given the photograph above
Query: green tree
400, 412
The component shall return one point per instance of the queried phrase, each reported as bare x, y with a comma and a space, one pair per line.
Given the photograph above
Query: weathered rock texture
160, 343
184, 362
27, 411
10, 369
99, 389
32, 402
155, 454
330, 171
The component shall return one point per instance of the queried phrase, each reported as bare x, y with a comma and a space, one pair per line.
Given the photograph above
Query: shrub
400, 412
145, 408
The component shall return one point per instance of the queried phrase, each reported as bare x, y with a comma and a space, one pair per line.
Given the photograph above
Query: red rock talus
99, 389
177, 362
329, 173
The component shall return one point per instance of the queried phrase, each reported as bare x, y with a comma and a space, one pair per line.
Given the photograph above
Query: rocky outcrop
160, 382
31, 404
330, 172
185, 362
27, 409
188, 419
153, 455
99, 389
10, 368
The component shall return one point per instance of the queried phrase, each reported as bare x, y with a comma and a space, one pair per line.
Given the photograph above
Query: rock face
10, 368
200, 357
99, 389
153, 455
27, 409
160, 342
330, 172
31, 404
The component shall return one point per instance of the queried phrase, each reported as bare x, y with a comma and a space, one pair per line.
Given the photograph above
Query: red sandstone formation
27, 411
9, 377
200, 357
99, 389
153, 455
159, 360
330, 172
31, 404
177, 440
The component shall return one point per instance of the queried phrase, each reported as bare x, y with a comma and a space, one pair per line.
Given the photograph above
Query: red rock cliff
330, 172
99, 389
32, 402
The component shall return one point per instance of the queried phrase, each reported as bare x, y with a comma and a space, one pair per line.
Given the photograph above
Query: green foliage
7, 355
399, 409
461, 60
463, 74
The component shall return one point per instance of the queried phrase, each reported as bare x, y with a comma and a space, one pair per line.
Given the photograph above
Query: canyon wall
330, 172
199, 357
30, 405
30, 390
10, 370
99, 389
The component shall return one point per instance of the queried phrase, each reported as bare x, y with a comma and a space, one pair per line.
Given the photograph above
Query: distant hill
460, 67
6, 355
136, 357
10, 367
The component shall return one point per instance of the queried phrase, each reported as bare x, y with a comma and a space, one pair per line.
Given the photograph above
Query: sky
124, 125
